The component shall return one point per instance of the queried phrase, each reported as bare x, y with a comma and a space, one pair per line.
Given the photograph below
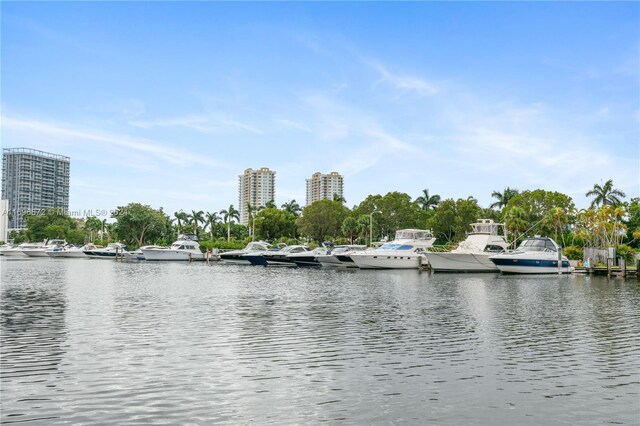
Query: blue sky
167, 103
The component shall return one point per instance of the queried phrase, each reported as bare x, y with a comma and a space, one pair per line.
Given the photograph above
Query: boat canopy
395, 246
413, 234
486, 226
538, 244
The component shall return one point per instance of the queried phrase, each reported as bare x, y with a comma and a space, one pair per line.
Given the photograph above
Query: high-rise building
32, 181
256, 188
324, 187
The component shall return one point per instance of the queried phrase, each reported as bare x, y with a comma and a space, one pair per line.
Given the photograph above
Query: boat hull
531, 266
234, 259
392, 261
168, 255
67, 254
35, 253
461, 262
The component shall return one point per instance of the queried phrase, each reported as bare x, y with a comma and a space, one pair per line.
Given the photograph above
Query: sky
167, 103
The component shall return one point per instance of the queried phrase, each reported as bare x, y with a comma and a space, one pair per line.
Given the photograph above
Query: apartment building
324, 187
32, 181
255, 188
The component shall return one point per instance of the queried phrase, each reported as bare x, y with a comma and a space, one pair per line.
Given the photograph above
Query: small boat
306, 258
40, 250
340, 256
5, 247
535, 255
111, 251
186, 247
472, 254
69, 251
283, 257
17, 251
237, 256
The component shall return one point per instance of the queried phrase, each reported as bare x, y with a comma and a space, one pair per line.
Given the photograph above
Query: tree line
610, 220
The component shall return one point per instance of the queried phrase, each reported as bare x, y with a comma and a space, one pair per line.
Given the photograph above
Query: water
100, 342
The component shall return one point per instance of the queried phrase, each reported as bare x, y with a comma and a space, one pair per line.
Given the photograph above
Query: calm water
99, 342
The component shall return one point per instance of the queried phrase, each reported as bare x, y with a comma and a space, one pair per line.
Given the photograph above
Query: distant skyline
168, 103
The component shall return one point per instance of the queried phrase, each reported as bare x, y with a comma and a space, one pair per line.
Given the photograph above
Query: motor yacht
40, 250
69, 251
472, 254
18, 251
340, 256
535, 255
237, 256
186, 247
283, 257
307, 257
111, 251
406, 251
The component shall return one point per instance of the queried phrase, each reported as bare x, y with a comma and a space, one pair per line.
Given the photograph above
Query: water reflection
32, 311
181, 343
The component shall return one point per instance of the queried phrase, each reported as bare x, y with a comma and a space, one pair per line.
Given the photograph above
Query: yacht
237, 256
535, 255
69, 251
340, 256
472, 254
5, 247
109, 252
307, 257
275, 257
186, 247
40, 250
406, 251
18, 251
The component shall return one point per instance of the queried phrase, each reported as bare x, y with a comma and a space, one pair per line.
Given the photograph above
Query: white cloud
405, 83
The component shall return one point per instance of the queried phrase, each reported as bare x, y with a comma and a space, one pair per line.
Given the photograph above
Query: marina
110, 343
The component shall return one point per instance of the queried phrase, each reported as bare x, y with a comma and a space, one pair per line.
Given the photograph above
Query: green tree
228, 216
51, 223
92, 224
195, 218
516, 222
273, 224
270, 205
321, 219
503, 197
605, 195
339, 198
139, 223
349, 228
443, 222
210, 221
181, 217
426, 201
292, 207
536, 204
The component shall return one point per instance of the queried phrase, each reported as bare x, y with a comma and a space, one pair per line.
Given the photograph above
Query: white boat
308, 257
18, 250
68, 251
109, 252
472, 254
283, 257
237, 256
5, 247
186, 247
406, 251
340, 256
535, 255
40, 250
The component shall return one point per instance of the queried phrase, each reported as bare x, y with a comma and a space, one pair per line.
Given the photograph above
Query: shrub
626, 252
574, 252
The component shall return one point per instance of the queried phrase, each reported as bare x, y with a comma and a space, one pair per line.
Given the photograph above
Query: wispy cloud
205, 123
405, 83
71, 133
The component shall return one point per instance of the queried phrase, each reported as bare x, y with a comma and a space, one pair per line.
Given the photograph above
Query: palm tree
180, 217
426, 201
503, 197
292, 207
196, 217
228, 216
605, 195
103, 226
270, 205
339, 198
210, 220
516, 221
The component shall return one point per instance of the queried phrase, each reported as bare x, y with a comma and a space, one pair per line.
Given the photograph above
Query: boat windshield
537, 244
394, 246
413, 234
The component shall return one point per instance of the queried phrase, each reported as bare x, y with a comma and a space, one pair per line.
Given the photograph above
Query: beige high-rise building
257, 188
324, 187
